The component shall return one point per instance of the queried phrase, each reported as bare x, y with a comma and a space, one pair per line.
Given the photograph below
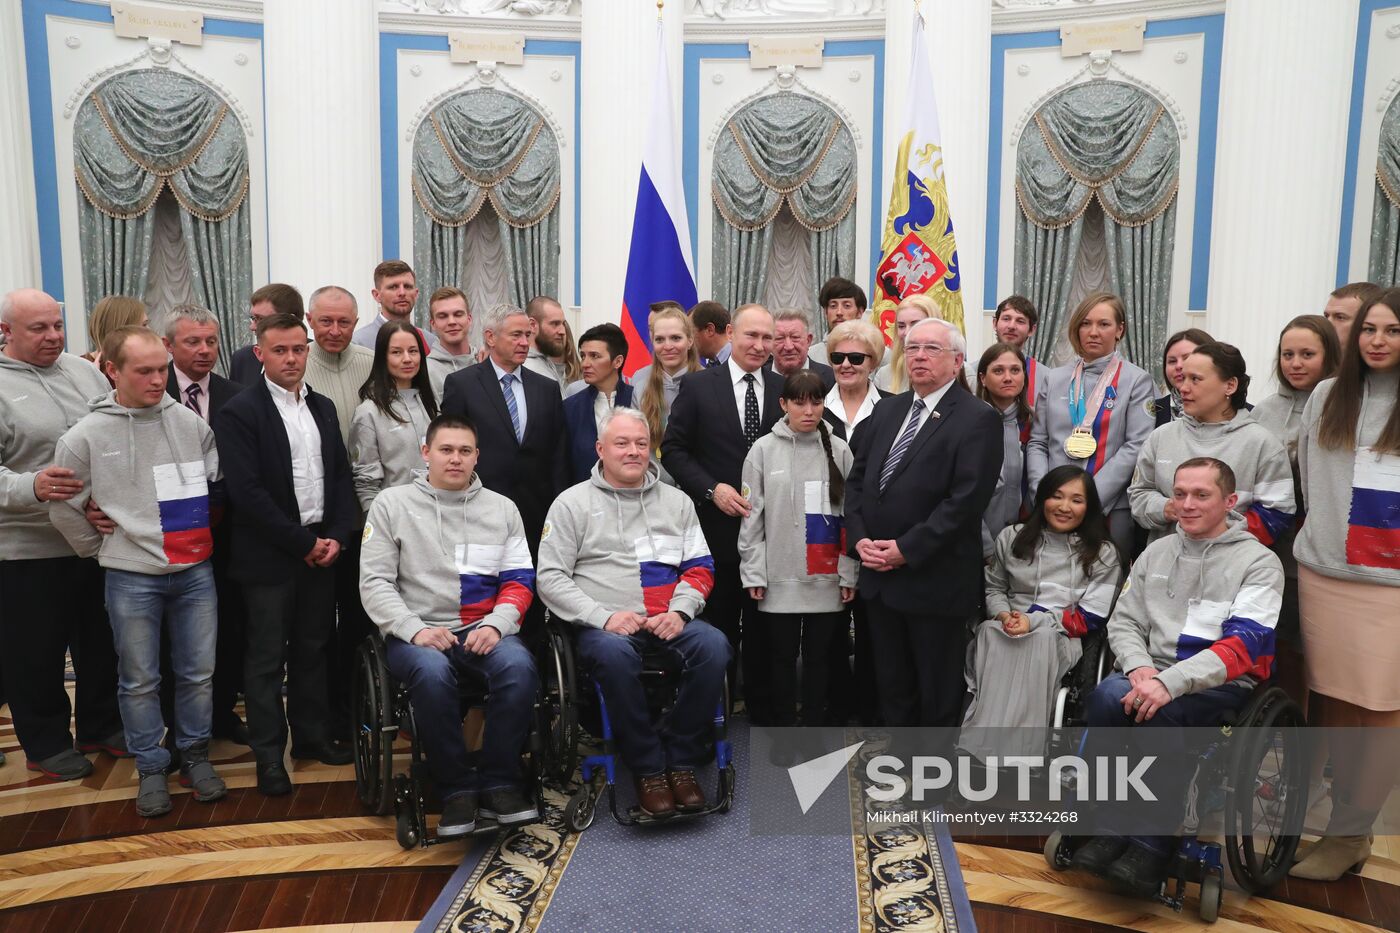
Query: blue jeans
137, 604
1168, 740
615, 661
432, 677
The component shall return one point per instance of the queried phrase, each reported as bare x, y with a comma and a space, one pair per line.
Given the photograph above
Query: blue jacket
583, 430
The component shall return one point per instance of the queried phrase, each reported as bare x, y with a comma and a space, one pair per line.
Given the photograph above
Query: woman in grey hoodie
1001, 383
792, 546
397, 402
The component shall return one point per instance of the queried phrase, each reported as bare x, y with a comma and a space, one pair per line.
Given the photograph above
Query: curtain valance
143, 130
1384, 266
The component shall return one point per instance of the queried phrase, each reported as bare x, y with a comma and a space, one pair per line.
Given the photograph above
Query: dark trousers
1164, 737
432, 677
352, 627
851, 691
919, 664
812, 634
728, 609
51, 606
615, 662
290, 625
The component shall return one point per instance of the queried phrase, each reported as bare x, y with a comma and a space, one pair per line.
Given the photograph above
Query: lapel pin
937, 415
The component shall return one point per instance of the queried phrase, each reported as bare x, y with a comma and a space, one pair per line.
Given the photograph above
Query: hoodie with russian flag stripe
152, 470
607, 549
793, 542
1353, 495
1201, 611
1263, 473
446, 558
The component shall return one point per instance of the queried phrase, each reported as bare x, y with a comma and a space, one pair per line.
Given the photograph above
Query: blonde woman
674, 354
855, 350
107, 315
892, 377
573, 368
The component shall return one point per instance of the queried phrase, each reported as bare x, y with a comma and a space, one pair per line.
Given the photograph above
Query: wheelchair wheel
1211, 895
1053, 844
727, 781
558, 706
405, 829
374, 746
1266, 796
580, 810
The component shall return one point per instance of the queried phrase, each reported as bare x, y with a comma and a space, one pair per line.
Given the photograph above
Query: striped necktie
506, 382
901, 446
192, 398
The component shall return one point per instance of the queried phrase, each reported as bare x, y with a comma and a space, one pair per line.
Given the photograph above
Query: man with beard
551, 334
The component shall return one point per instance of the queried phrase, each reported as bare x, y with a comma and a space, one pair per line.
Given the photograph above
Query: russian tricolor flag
492, 573
658, 263
1373, 528
182, 495
826, 533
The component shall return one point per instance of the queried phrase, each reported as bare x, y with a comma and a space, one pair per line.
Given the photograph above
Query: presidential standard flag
658, 263
919, 253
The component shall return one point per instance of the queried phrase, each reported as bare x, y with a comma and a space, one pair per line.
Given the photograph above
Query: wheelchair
660, 676
383, 712
1257, 780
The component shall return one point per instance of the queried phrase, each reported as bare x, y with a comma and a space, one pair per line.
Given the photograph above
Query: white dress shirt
304, 438
183, 383
837, 406
741, 388
603, 403
517, 389
931, 401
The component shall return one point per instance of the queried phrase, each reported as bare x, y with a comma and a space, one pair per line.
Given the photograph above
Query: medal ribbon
1080, 413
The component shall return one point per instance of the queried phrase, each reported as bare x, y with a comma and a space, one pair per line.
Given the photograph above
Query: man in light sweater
53, 598
1193, 633
450, 317
549, 342
623, 558
446, 576
150, 462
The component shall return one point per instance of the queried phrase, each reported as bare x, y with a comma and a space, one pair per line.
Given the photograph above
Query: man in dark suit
717, 416
926, 463
244, 367
519, 420
792, 340
602, 353
192, 338
288, 481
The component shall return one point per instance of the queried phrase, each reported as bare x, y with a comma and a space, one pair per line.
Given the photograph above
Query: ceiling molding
1035, 15
741, 30
247, 10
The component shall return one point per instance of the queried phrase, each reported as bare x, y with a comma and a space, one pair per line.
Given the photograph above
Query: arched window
486, 190
784, 191
1096, 181
162, 167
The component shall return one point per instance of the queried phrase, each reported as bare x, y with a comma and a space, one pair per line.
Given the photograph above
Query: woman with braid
792, 546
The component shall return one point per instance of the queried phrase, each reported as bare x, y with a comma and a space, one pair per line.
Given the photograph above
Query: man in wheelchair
445, 574
1193, 633
623, 558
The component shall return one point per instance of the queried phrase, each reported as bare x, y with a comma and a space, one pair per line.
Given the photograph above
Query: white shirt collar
837, 406
737, 374
933, 398
183, 382
501, 373
282, 396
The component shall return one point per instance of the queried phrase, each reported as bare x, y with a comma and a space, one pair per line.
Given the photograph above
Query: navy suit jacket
933, 505
530, 472
268, 536
704, 446
244, 367
220, 391
583, 430
827, 374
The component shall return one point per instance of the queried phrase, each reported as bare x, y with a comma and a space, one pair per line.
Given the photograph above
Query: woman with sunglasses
855, 350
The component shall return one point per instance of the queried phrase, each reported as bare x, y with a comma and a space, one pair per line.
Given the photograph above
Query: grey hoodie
1005, 507
442, 364
1353, 496
1263, 476
794, 541
386, 452
438, 557
150, 470
36, 406
1052, 588
605, 550
1282, 416
1200, 629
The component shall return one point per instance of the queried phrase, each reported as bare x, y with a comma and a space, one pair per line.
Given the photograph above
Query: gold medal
1081, 444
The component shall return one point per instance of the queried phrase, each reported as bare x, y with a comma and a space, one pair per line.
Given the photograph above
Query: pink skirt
1351, 639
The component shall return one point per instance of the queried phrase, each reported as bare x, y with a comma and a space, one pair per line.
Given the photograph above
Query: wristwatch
710, 494
685, 616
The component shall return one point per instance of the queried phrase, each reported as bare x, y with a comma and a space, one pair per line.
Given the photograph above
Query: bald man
51, 600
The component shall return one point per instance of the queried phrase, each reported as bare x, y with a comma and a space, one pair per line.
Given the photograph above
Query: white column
1279, 164
619, 49
321, 66
19, 232
959, 37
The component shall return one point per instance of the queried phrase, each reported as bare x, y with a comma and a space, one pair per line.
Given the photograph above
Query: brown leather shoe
686, 791
654, 796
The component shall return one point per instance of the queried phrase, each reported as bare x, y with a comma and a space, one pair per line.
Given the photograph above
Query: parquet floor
76, 857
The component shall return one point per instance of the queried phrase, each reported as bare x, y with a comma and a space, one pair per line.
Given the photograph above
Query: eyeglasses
915, 349
857, 359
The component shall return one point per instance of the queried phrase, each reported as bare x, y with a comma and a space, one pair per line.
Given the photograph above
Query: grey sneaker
196, 772
507, 806
67, 765
153, 797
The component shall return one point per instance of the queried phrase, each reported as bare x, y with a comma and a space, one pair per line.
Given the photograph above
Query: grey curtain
783, 148
486, 144
1384, 267
1114, 142
136, 134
